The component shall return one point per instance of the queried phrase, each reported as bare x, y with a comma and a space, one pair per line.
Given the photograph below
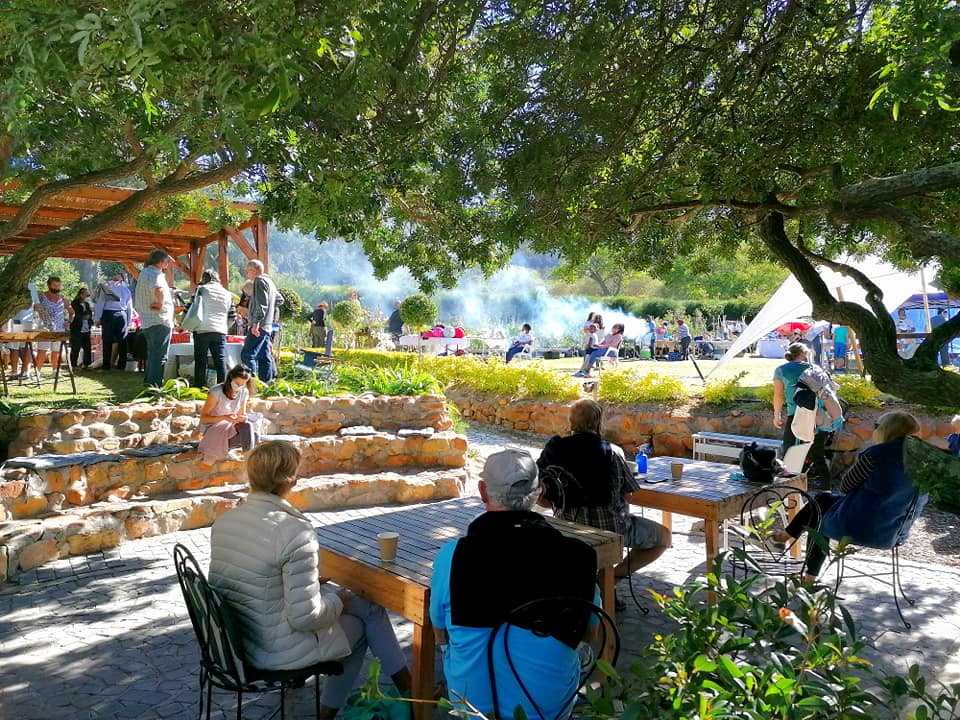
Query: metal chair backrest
554, 608
768, 510
220, 649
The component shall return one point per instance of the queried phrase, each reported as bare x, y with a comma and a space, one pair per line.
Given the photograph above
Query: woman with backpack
785, 379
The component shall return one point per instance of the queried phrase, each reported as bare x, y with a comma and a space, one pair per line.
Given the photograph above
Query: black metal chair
762, 515
561, 617
890, 577
221, 659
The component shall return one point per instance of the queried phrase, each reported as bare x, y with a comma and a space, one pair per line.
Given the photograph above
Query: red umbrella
789, 327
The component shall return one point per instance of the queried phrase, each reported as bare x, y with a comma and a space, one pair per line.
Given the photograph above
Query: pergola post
222, 259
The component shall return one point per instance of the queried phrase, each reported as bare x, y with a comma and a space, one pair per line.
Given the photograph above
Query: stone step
138, 424
26, 493
30, 542
341, 490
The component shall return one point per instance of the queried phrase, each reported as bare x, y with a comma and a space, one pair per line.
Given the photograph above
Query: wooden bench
728, 446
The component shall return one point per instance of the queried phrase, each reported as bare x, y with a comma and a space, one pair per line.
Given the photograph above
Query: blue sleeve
953, 443
594, 619
440, 585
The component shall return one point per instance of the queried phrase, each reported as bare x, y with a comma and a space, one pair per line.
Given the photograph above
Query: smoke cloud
495, 305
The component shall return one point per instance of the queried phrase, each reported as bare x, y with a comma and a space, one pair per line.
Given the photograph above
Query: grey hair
956, 418
512, 498
255, 264
209, 276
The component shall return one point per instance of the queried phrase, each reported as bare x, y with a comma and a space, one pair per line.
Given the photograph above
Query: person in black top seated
595, 485
510, 557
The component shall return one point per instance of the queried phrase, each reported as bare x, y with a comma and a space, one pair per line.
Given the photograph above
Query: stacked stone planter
103, 476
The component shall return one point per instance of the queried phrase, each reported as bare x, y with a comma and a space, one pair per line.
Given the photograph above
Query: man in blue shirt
936, 321
510, 557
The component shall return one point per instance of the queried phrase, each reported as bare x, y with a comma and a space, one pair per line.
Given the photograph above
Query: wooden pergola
129, 244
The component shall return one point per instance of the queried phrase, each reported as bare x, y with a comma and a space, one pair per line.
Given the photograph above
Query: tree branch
874, 293
6, 153
896, 187
427, 10
926, 352
127, 209
134, 141
19, 222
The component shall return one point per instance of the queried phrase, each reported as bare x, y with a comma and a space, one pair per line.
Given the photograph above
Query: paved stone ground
107, 636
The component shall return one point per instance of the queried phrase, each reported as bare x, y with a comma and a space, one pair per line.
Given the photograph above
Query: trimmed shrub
857, 391
418, 311
724, 392
623, 386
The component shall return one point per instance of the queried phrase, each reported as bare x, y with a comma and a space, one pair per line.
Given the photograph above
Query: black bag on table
758, 464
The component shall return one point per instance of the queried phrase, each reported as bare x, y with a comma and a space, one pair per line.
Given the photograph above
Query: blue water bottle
642, 462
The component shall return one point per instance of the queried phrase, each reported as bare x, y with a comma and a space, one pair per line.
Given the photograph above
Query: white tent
790, 301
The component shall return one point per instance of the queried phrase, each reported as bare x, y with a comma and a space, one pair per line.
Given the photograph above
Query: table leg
711, 536
424, 651
608, 596
666, 519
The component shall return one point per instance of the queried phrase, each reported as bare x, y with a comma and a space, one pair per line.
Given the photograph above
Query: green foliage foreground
762, 650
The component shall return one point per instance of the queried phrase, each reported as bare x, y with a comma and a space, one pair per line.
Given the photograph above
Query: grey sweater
265, 303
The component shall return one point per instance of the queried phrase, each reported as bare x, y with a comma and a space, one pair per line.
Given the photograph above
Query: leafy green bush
292, 303
761, 650
624, 386
172, 389
418, 311
372, 357
764, 394
402, 380
858, 391
724, 392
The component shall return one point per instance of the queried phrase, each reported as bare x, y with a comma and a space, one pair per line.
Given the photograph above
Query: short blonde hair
895, 425
585, 416
272, 465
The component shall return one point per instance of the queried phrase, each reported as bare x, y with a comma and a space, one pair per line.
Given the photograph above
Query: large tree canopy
660, 130
306, 103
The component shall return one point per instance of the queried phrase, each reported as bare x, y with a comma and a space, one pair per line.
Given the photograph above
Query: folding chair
221, 662
917, 504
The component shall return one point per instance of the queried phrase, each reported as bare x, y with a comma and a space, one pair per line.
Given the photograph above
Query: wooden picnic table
706, 491
28, 338
350, 556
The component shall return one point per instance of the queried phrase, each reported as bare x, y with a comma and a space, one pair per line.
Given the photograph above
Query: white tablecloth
433, 346
181, 357
772, 348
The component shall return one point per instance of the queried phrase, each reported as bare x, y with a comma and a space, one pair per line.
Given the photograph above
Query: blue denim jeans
213, 343
158, 345
257, 354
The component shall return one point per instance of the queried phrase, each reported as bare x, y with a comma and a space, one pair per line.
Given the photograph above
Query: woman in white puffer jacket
264, 560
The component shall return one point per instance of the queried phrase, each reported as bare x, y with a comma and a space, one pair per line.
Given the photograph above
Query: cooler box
674, 356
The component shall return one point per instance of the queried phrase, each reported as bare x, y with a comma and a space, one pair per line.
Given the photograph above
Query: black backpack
758, 464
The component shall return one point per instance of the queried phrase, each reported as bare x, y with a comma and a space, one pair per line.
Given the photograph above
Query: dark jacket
872, 513
81, 311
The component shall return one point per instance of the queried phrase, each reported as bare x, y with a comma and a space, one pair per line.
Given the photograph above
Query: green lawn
759, 371
93, 387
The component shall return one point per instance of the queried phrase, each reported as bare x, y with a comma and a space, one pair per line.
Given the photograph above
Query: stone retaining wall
31, 493
112, 428
669, 427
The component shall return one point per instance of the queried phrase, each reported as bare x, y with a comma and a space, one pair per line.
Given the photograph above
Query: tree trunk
918, 380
